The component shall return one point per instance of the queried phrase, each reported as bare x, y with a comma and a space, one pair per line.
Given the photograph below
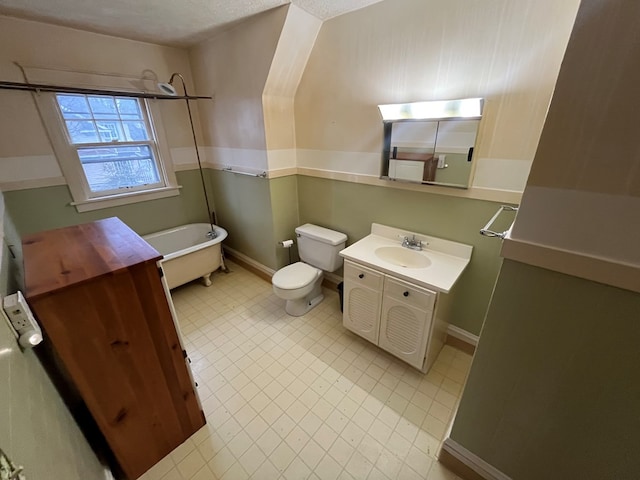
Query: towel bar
261, 175
490, 233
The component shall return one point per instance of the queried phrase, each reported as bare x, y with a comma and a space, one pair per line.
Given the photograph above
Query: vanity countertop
447, 260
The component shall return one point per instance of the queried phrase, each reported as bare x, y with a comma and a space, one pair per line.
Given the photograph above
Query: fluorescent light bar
463, 108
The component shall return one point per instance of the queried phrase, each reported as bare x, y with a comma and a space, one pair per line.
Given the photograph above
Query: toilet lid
294, 276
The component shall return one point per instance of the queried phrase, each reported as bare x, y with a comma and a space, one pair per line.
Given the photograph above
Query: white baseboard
257, 265
463, 335
475, 463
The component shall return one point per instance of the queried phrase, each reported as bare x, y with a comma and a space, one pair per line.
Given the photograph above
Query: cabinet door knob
361, 275
406, 294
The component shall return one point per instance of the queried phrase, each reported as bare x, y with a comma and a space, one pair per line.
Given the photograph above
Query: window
109, 149
112, 139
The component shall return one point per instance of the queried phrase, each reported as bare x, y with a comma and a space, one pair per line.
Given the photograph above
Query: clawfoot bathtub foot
206, 279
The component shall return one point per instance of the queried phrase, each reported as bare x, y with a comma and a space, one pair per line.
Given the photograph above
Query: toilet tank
319, 246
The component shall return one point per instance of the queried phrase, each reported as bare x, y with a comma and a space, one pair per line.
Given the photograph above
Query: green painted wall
351, 208
11, 271
5, 253
553, 392
284, 206
258, 213
457, 172
243, 208
40, 209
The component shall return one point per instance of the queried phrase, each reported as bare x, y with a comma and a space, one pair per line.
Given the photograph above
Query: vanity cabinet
111, 338
391, 313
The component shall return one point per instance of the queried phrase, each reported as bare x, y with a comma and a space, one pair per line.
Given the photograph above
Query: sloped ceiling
167, 22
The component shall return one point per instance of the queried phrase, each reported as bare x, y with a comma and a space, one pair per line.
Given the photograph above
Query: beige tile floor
303, 398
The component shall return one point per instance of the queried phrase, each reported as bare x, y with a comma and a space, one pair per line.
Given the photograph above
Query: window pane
103, 105
110, 131
129, 106
73, 106
118, 167
135, 131
82, 132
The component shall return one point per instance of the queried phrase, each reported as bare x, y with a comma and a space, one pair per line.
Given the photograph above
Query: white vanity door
362, 300
405, 323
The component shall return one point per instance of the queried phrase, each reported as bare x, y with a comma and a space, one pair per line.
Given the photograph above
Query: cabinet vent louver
403, 329
367, 312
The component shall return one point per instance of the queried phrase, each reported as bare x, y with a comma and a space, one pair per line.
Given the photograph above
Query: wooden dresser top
59, 258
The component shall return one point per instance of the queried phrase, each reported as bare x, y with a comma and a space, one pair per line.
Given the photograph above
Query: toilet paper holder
286, 243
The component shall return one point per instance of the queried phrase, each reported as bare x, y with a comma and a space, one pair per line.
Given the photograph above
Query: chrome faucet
412, 243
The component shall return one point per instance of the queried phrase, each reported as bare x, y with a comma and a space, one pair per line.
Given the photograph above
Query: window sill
125, 199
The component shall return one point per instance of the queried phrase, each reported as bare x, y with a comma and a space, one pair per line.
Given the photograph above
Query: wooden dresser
96, 290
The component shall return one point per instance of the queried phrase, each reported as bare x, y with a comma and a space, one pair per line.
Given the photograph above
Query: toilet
300, 284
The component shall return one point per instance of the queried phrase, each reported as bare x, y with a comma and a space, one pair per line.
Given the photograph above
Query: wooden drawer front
410, 294
362, 276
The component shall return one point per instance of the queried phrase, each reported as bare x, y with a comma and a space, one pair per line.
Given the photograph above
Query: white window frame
83, 198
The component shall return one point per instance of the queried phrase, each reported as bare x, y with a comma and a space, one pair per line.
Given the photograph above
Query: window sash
151, 143
98, 122
119, 162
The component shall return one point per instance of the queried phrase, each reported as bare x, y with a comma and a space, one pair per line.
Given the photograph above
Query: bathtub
188, 252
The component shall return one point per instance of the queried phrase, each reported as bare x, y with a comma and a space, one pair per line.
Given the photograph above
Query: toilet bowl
300, 284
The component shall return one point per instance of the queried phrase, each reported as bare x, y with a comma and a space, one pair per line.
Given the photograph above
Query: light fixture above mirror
430, 142
438, 109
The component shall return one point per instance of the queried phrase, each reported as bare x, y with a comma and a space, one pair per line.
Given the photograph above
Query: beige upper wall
35, 44
590, 139
234, 66
296, 41
410, 50
26, 155
583, 195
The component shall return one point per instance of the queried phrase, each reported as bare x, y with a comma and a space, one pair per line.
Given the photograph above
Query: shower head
167, 88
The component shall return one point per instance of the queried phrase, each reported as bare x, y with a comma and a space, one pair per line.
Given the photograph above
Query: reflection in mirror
432, 151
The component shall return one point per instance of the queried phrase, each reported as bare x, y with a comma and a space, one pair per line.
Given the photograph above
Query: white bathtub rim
221, 235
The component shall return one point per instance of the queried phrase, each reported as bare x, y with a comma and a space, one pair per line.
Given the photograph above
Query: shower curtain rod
34, 87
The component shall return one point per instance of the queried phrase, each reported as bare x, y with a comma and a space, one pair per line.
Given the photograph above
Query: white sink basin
436, 267
403, 257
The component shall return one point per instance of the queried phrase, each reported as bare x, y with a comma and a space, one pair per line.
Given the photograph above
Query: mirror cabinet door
430, 151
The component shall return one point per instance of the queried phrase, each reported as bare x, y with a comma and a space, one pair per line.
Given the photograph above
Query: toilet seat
295, 276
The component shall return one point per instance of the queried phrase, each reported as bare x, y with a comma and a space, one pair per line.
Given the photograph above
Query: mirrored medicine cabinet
431, 142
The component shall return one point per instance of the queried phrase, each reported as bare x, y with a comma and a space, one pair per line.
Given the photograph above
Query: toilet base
300, 306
